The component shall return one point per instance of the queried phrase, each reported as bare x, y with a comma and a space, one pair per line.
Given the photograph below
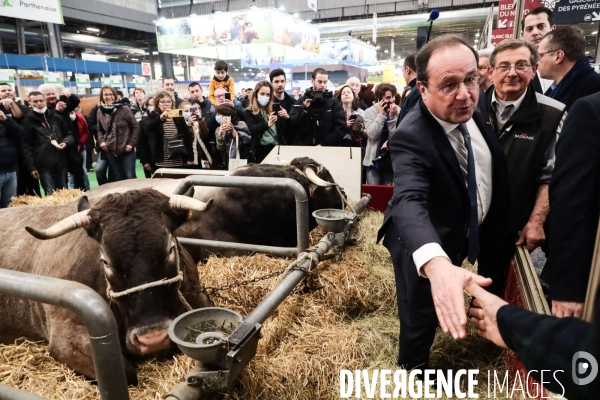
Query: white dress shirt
483, 176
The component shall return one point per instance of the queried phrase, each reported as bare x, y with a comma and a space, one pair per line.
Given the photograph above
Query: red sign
506, 18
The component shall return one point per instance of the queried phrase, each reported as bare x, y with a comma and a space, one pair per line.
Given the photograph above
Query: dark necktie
472, 189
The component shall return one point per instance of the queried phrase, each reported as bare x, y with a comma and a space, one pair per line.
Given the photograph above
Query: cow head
141, 259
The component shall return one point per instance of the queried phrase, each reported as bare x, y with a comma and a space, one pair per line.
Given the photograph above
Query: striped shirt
171, 132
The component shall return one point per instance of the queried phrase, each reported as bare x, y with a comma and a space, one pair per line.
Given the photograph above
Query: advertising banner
116, 81
7, 76
146, 69
506, 18
82, 81
105, 81
139, 81
33, 10
52, 77
574, 11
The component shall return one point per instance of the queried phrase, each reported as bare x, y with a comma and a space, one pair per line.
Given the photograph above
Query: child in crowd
221, 80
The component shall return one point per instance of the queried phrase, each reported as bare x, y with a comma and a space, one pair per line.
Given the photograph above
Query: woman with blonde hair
269, 123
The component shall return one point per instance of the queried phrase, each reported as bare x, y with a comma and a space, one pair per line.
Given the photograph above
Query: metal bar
276, 251
93, 311
11, 393
287, 284
264, 183
52, 40
20, 28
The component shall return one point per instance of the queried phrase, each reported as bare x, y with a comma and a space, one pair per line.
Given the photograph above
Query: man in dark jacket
318, 122
10, 136
278, 80
563, 60
197, 99
527, 124
410, 77
45, 140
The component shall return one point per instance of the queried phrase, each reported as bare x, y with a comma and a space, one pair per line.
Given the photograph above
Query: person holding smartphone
269, 123
199, 132
354, 117
231, 126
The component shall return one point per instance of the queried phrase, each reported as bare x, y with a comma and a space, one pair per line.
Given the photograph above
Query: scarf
110, 108
580, 68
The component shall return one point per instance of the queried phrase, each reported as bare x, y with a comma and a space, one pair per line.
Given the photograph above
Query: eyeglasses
165, 102
471, 82
549, 51
519, 67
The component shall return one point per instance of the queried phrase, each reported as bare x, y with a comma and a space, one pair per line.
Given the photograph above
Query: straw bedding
350, 323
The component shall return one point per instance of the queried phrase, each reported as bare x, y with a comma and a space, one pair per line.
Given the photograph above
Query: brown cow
127, 242
86, 104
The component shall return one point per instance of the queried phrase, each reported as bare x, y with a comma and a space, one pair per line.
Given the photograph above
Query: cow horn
179, 202
63, 227
285, 163
310, 174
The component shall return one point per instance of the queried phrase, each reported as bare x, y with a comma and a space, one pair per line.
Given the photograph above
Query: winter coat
225, 139
124, 131
216, 83
374, 125
258, 126
154, 135
38, 150
328, 131
82, 130
10, 136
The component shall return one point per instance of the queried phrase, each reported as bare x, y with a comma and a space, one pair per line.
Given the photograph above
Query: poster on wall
82, 81
139, 81
7, 76
52, 77
105, 81
33, 10
116, 81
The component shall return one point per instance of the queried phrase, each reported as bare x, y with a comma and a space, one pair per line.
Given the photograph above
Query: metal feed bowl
201, 334
333, 220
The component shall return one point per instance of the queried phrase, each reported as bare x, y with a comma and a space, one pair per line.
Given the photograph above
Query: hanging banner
506, 18
374, 28
105, 81
116, 81
6, 76
575, 12
146, 69
312, 4
33, 10
52, 77
81, 90
82, 81
139, 81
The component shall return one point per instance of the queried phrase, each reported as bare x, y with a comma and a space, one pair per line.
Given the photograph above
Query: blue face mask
219, 119
263, 100
186, 115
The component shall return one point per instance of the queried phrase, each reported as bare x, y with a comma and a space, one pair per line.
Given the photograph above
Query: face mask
263, 100
72, 116
42, 111
186, 115
150, 108
219, 119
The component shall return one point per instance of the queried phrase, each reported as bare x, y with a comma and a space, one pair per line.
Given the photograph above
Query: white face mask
263, 100
72, 116
42, 111
186, 115
150, 108
219, 119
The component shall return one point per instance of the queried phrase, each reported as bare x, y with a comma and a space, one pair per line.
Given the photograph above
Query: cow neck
162, 282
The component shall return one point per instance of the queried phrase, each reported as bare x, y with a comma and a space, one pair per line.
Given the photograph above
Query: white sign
6, 76
139, 81
374, 28
52, 77
312, 4
116, 81
34, 10
82, 80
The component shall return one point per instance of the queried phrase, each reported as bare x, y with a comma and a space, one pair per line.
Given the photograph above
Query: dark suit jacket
409, 103
574, 202
430, 201
583, 86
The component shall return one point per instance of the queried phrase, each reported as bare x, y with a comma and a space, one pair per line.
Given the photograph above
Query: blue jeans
53, 179
123, 165
80, 181
101, 169
8, 185
378, 177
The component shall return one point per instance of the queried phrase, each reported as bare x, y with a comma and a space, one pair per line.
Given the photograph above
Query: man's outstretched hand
483, 312
447, 285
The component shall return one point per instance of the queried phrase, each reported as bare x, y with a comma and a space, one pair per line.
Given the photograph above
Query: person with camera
118, 134
170, 143
269, 122
380, 123
232, 135
317, 118
203, 150
355, 122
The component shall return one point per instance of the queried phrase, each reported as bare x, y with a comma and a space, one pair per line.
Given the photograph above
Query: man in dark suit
450, 200
563, 60
574, 208
534, 26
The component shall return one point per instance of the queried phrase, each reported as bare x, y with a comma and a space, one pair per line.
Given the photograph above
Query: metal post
93, 312
57, 37
11, 393
53, 42
21, 37
257, 182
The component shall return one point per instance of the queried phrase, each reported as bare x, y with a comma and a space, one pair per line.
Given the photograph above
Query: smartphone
193, 109
226, 118
175, 113
276, 107
227, 96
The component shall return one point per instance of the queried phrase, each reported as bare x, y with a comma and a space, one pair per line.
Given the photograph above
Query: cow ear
83, 204
311, 189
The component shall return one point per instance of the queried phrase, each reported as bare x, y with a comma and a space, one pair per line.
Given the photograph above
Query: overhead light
236, 69
587, 52
91, 29
309, 21
412, 38
377, 48
477, 34
134, 59
295, 15
595, 32
281, 8
385, 51
253, 7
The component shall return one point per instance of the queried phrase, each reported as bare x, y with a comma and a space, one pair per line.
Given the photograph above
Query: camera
317, 95
175, 113
385, 153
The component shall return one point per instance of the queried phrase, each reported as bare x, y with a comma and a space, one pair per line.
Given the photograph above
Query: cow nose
151, 342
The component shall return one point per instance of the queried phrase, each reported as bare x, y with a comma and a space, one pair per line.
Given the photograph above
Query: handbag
74, 162
236, 162
176, 149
